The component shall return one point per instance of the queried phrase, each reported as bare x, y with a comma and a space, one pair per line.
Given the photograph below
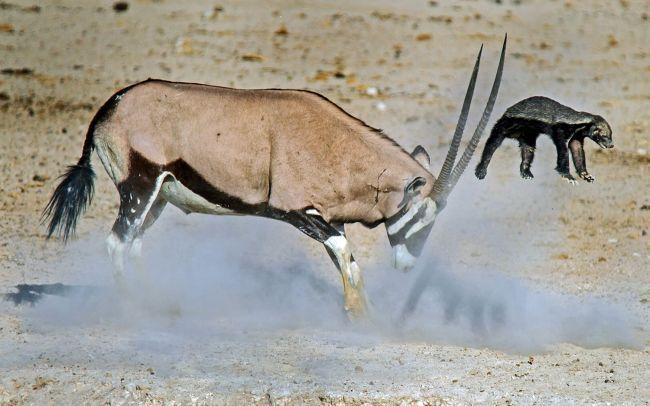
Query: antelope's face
409, 228
408, 231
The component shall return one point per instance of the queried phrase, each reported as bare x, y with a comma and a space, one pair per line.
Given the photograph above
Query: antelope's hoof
356, 307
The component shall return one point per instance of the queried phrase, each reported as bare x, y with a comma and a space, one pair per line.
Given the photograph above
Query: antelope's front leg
576, 147
338, 249
332, 236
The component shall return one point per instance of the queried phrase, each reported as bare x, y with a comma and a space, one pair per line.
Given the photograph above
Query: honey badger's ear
421, 155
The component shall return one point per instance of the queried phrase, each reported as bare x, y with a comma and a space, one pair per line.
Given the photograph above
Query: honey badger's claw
480, 172
526, 174
587, 177
570, 179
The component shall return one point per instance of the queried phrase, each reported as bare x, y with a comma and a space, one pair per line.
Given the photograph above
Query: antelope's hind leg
338, 248
140, 206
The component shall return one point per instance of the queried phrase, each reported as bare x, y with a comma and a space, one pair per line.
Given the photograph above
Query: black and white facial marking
601, 133
408, 231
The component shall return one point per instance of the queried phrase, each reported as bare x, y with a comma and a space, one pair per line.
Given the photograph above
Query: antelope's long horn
473, 143
439, 186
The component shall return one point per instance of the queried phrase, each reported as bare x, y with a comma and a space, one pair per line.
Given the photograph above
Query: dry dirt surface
541, 290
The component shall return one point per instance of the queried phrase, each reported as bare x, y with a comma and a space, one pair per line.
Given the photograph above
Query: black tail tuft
70, 199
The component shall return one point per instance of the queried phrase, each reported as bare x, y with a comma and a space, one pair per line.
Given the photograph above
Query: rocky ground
579, 256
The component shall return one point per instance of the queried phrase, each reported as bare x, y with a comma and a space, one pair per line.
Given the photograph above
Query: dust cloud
204, 276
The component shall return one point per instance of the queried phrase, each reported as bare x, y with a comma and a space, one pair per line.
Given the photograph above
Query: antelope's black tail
73, 195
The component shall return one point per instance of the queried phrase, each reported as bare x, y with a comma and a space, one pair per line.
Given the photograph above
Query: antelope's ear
421, 155
412, 189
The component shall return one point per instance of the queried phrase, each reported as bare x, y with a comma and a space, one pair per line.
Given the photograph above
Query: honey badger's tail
493, 142
73, 195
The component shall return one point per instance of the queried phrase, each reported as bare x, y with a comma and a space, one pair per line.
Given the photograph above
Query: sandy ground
60, 60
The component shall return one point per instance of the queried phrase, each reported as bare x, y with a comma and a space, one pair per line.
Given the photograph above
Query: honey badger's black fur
527, 119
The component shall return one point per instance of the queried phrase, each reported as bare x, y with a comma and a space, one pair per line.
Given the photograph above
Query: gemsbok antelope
290, 155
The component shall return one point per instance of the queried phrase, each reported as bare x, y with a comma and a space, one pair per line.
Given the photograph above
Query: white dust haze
211, 276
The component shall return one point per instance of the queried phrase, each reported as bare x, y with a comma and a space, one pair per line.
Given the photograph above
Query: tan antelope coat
289, 149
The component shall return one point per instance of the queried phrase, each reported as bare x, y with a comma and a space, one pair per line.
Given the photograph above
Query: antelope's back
292, 149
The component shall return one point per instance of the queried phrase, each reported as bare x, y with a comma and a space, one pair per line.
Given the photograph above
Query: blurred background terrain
399, 66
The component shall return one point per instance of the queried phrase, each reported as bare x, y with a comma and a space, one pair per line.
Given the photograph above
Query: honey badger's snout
605, 143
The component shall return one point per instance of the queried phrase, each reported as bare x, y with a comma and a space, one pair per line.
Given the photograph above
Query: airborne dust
205, 276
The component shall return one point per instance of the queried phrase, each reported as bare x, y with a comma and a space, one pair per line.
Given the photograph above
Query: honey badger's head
601, 133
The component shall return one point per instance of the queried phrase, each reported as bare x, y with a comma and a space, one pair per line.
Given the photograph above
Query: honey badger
527, 119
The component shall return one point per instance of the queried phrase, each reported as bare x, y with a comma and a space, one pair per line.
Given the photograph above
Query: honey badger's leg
527, 144
578, 154
562, 157
333, 238
497, 135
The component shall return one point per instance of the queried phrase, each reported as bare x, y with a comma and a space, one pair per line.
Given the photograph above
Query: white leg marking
355, 273
341, 249
136, 248
116, 250
152, 199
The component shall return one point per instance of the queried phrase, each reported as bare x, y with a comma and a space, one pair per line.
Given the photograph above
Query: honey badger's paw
586, 176
480, 172
526, 174
570, 179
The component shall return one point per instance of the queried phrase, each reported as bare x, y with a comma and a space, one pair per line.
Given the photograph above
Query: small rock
612, 240
358, 368
381, 106
184, 46
120, 6
40, 178
425, 36
372, 91
6, 27
17, 72
213, 12
252, 58
282, 31
642, 151
612, 41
